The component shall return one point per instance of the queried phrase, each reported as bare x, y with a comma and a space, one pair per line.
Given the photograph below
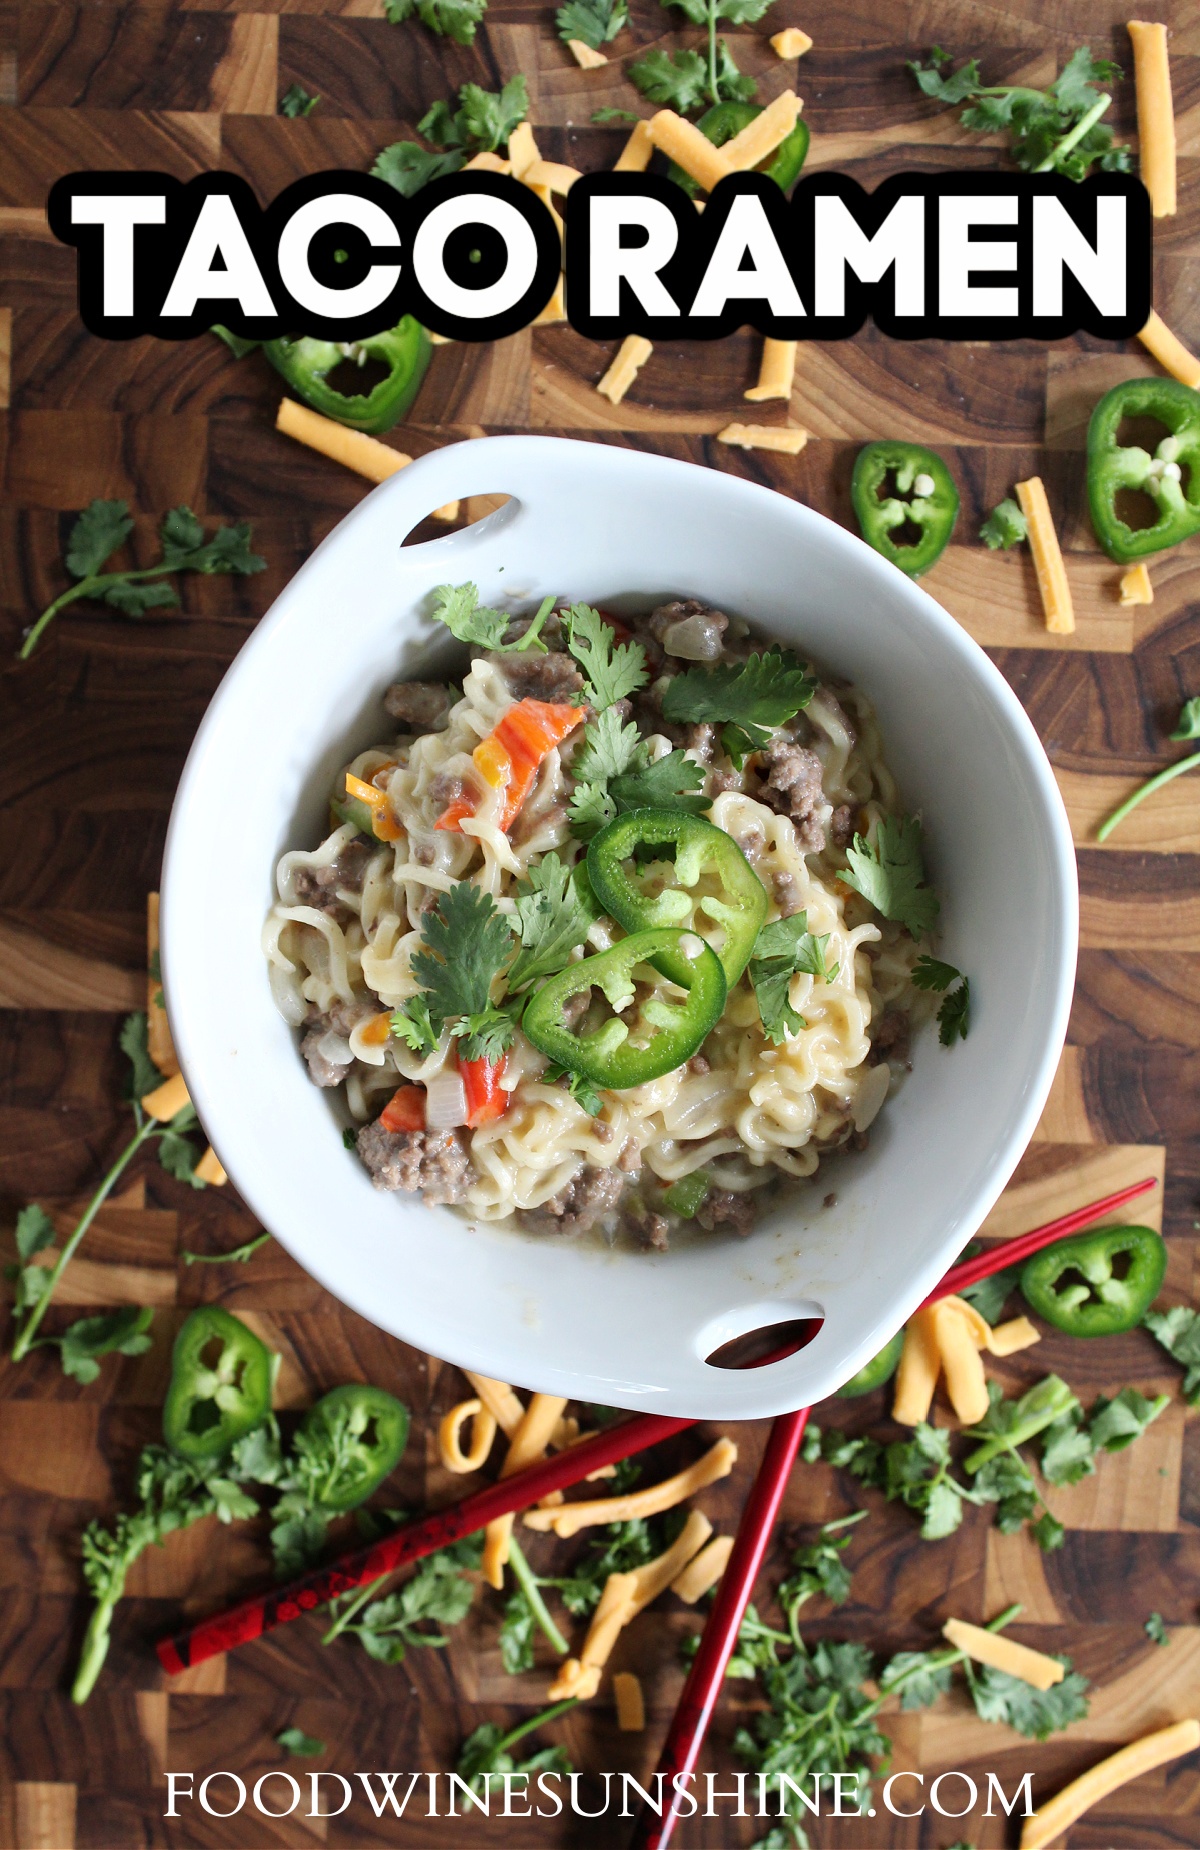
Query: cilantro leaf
1068, 1451
918, 1675
408, 166
145, 1076
487, 118
1178, 1330
485, 1036
122, 1332
179, 1156
609, 749
673, 781
590, 810
1155, 1630
1005, 526
931, 973
581, 1089
594, 22
606, 118
678, 79
1116, 1423
467, 941
296, 102
1188, 726
136, 599
612, 669
1048, 1532
413, 1024
438, 1593
1035, 1713
555, 907
34, 1231
99, 530
954, 1016
1056, 130
452, 19
781, 949
890, 874
990, 1294
752, 696
458, 607
295, 1741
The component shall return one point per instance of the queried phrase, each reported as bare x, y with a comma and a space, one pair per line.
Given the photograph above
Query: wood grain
93, 734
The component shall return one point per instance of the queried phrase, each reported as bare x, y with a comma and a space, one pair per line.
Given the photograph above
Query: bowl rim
431, 481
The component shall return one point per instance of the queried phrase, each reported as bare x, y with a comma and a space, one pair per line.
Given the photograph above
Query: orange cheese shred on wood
631, 1706
530, 1440
569, 1518
1170, 352
1033, 1667
917, 1375
352, 448
1155, 114
1047, 557
1153, 1750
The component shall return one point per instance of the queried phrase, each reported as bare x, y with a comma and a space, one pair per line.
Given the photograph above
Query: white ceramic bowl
627, 1329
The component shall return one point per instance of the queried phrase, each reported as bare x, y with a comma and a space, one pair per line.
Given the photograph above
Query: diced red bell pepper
486, 1098
510, 755
405, 1110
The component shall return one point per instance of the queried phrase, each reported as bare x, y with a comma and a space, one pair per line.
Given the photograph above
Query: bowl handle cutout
460, 472
758, 1335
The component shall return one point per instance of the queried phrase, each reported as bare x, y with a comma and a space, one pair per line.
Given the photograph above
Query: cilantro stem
939, 1660
712, 51
94, 586
1074, 136
535, 1721
528, 1582
240, 1254
362, 1598
1143, 791
146, 1128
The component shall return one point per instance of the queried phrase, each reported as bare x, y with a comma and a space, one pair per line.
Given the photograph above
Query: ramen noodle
743, 1111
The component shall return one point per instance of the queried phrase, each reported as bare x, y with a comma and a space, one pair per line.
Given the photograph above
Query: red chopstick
689, 1725
1008, 1252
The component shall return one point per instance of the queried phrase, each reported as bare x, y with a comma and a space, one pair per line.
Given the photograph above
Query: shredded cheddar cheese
654, 1577
635, 155
962, 1364
917, 1375
1155, 114
580, 1676
1170, 352
366, 793
630, 357
487, 162
554, 174
1033, 1667
790, 43
210, 1169
569, 1518
166, 1100
159, 1044
1153, 1750
776, 371
352, 448
500, 1401
584, 56
522, 150
1008, 1338
631, 1708
1136, 587
1047, 558
555, 309
703, 1570
788, 439
483, 1432
539, 1420
763, 135
683, 142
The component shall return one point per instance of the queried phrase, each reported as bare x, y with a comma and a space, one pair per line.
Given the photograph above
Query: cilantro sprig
124, 1331
458, 607
481, 124
390, 1625
466, 942
487, 1753
688, 80
890, 873
1178, 1331
594, 22
1005, 526
1049, 131
954, 1015
611, 669
104, 526
747, 698
614, 773
297, 102
555, 907
781, 949
451, 19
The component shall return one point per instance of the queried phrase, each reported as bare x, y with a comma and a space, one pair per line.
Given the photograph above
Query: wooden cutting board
94, 731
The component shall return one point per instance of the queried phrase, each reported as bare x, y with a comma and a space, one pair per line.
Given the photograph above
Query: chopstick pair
261, 1613
685, 1737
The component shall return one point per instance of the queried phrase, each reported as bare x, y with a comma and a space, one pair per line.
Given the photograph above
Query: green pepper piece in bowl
607, 1055
1096, 1284
306, 364
699, 847
1170, 478
220, 1389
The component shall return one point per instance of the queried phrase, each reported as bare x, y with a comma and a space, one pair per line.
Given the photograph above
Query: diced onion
285, 989
335, 1048
694, 639
445, 1102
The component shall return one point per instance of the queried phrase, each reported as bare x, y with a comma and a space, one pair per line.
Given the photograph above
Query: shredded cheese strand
1033, 1667
1047, 557
569, 1518
1155, 113
1170, 351
1153, 1750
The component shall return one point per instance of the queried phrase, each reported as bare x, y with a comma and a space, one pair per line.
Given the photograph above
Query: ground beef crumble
434, 1162
318, 886
420, 706
587, 1198
793, 787
723, 1208
549, 677
342, 1018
